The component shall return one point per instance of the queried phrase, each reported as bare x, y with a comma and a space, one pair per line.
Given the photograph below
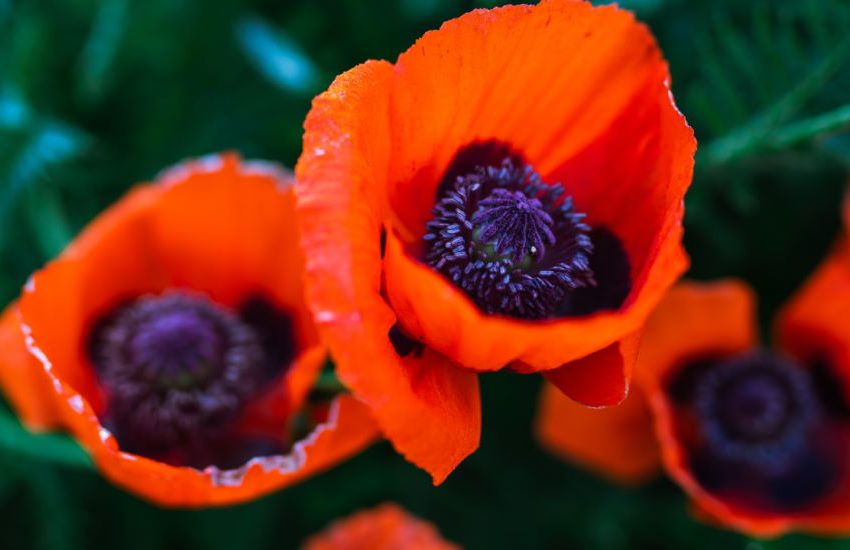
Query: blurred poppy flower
172, 340
508, 194
387, 527
614, 442
759, 439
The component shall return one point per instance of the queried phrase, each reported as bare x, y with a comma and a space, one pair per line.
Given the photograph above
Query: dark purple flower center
756, 409
515, 245
179, 348
177, 370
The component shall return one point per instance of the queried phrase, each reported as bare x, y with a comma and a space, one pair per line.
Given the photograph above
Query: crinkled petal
426, 406
21, 377
586, 101
217, 226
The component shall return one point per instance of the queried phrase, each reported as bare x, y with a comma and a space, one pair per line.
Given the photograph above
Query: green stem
817, 126
790, 135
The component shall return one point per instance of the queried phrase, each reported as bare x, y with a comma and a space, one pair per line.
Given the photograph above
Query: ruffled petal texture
628, 167
220, 228
428, 409
581, 94
22, 379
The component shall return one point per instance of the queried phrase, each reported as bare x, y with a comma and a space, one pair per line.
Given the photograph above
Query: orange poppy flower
172, 340
759, 439
387, 527
614, 442
508, 194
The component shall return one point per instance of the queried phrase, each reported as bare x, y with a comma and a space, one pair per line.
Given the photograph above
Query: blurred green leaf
30, 156
14, 111
819, 126
762, 132
48, 144
276, 56
101, 47
762, 66
55, 449
54, 509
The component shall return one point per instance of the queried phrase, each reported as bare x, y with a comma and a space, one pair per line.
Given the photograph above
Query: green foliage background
98, 95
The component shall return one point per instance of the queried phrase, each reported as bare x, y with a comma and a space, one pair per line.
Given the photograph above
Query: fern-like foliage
765, 75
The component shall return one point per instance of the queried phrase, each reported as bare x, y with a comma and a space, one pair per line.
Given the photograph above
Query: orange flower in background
172, 340
387, 527
759, 439
615, 442
508, 194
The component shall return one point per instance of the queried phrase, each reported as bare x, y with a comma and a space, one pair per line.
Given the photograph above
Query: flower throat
512, 243
178, 371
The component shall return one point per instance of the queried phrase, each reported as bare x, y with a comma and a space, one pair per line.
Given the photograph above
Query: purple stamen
177, 370
514, 244
756, 409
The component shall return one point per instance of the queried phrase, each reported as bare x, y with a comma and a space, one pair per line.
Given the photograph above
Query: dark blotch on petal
468, 159
383, 242
681, 387
830, 390
275, 331
811, 478
403, 344
611, 270
760, 430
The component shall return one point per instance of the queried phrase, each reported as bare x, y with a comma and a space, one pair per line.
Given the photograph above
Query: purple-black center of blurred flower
759, 429
515, 245
756, 409
178, 369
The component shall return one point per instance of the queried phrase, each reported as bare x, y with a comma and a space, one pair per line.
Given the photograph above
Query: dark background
98, 95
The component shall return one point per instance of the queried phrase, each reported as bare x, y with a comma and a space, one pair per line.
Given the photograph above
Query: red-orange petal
695, 319
218, 226
348, 430
813, 327
617, 442
813, 324
428, 408
628, 167
387, 527
602, 378
21, 377
698, 320
376, 145
233, 239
